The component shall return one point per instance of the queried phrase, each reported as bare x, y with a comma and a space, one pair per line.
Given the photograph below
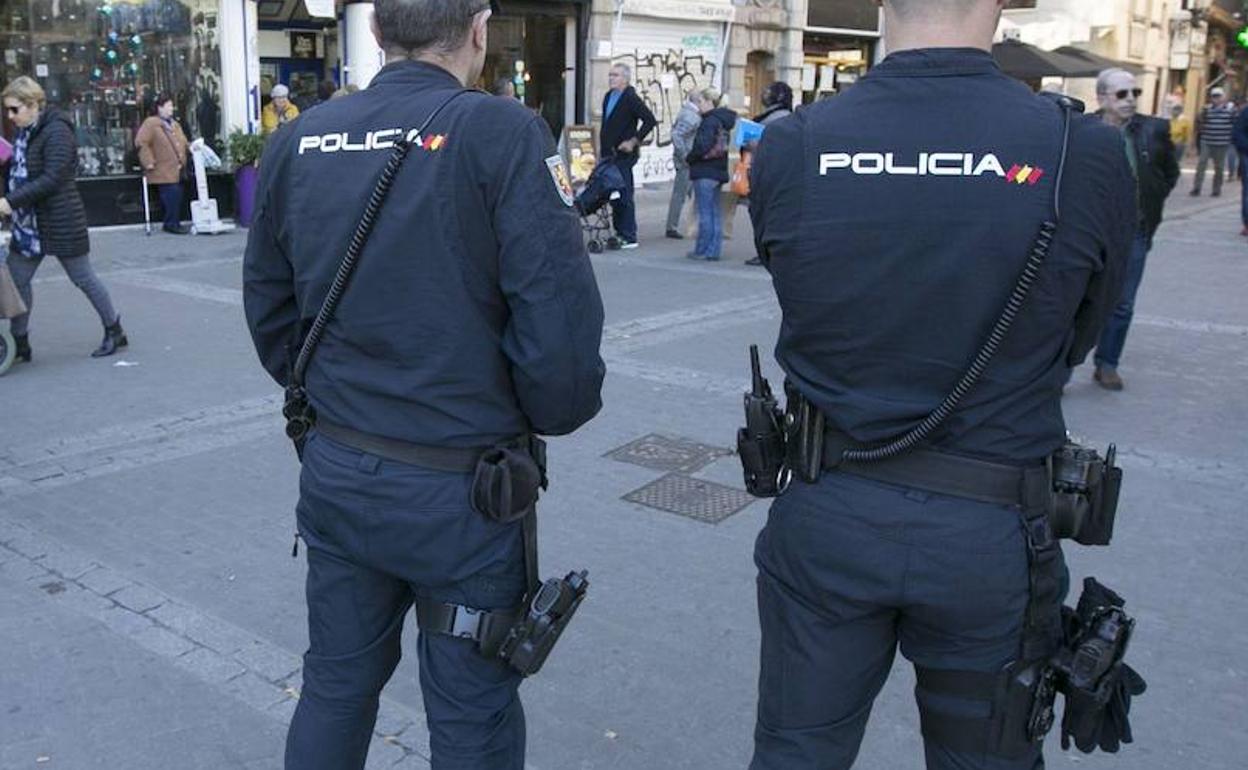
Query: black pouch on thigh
508, 480
1015, 704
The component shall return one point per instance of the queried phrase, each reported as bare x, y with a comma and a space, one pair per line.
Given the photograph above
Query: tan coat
162, 151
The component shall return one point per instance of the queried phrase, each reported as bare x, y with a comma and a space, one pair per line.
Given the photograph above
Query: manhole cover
664, 453
695, 498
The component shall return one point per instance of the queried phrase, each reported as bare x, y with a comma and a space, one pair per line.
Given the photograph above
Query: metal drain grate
694, 498
664, 453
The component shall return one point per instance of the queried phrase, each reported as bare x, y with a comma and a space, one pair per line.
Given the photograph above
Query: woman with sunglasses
48, 216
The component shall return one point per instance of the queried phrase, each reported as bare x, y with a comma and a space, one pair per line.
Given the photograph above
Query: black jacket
895, 220
51, 166
473, 315
713, 122
622, 124
1157, 167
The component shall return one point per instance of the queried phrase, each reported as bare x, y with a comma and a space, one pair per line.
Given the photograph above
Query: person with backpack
708, 169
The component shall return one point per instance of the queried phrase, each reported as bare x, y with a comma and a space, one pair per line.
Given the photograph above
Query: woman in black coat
48, 217
708, 170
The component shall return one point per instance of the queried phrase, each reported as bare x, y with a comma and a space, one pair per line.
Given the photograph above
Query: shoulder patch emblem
559, 175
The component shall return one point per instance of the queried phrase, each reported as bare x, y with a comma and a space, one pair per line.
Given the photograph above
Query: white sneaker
627, 244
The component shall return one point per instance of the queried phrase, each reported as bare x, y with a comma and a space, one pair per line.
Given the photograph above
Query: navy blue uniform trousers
380, 536
848, 569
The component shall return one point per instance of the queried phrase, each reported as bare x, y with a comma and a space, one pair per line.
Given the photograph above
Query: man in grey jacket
683, 132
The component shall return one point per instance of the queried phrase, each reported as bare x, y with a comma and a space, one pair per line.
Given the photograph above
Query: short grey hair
627, 70
927, 8
425, 26
1102, 80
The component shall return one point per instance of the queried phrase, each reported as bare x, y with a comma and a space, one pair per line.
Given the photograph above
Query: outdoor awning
1102, 62
1027, 62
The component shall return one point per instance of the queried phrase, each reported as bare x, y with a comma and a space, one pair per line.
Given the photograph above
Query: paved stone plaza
151, 616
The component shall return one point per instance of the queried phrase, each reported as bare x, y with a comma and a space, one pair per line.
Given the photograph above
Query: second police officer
471, 320
896, 220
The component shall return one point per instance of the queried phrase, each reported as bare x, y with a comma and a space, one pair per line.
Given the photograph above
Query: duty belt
491, 629
946, 474
449, 459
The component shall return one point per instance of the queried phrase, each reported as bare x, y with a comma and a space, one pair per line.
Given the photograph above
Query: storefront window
832, 64
103, 62
528, 49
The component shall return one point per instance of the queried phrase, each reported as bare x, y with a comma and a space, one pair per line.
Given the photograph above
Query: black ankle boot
114, 338
21, 350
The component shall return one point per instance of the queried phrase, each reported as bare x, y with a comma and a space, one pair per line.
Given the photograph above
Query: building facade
1216, 56
1181, 48
677, 46
842, 40
102, 62
1134, 32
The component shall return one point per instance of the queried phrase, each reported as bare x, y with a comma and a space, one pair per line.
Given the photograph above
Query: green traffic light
1242, 37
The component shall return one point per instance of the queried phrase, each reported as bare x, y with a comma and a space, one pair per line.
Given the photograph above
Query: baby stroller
10, 305
605, 184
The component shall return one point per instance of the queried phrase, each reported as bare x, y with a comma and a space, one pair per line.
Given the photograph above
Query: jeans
80, 273
623, 209
850, 570
1114, 337
680, 195
1218, 156
382, 535
171, 203
710, 218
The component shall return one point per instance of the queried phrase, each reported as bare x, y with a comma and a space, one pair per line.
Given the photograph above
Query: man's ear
480, 29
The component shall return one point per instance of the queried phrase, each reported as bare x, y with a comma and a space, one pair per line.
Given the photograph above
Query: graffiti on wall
662, 78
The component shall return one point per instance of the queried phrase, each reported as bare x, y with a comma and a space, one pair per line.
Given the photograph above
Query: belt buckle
467, 622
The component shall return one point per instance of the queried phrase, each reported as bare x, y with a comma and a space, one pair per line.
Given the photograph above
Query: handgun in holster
530, 641
1085, 493
1098, 632
761, 443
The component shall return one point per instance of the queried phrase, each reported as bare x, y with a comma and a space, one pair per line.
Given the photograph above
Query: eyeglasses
1123, 93
12, 110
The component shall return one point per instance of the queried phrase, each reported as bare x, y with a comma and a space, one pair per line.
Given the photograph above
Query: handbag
720, 148
11, 304
185, 172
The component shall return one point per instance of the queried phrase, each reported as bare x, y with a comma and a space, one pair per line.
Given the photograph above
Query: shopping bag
740, 181
10, 301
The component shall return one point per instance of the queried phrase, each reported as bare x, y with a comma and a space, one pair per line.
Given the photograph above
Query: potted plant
244, 150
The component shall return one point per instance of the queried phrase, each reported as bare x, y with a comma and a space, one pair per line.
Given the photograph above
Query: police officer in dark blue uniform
472, 318
896, 220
